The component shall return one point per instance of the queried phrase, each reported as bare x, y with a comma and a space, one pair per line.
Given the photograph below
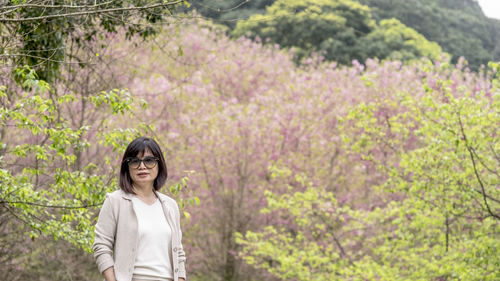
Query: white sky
491, 8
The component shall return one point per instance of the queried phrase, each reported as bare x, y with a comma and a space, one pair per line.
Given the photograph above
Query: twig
54, 6
82, 13
50, 206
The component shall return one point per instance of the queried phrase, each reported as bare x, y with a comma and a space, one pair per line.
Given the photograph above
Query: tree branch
223, 10
497, 157
54, 6
50, 206
82, 13
484, 164
483, 191
343, 253
447, 223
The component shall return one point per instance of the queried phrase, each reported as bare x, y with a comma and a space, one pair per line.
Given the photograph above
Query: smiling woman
491, 8
138, 234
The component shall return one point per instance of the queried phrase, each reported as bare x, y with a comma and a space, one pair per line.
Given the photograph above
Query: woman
138, 235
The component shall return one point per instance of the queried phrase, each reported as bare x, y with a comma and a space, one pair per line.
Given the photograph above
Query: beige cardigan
116, 238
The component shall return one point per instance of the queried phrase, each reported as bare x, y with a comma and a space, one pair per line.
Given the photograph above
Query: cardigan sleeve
180, 252
105, 231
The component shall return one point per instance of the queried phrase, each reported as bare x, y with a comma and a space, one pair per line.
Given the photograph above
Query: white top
153, 261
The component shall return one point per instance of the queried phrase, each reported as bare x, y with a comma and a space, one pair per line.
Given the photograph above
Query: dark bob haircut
136, 148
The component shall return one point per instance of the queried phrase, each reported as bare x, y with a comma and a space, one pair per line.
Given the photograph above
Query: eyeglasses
149, 161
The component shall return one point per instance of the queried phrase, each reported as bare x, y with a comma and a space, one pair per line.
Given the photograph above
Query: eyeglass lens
149, 162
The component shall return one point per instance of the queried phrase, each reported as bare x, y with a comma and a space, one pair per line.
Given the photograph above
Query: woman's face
143, 175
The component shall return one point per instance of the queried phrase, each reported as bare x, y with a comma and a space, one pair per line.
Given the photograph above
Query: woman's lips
142, 174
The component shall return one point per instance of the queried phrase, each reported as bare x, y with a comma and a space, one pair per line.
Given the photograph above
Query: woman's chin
143, 181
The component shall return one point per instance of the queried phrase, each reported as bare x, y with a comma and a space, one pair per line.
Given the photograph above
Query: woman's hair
135, 148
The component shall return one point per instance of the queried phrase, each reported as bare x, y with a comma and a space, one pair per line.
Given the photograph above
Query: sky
491, 8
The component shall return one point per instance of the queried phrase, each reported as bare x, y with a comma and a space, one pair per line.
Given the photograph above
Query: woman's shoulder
117, 195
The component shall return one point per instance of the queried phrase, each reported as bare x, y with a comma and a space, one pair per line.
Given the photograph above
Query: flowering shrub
235, 111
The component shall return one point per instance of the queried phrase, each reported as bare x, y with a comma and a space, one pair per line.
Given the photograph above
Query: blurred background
305, 139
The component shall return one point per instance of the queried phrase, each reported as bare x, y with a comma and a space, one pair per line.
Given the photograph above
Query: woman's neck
144, 191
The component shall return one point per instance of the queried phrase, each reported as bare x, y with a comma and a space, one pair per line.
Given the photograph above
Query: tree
230, 117
36, 33
41, 192
341, 30
393, 40
441, 213
313, 25
61, 143
459, 27
247, 124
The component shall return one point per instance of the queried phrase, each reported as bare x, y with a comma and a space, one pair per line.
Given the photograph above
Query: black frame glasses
135, 162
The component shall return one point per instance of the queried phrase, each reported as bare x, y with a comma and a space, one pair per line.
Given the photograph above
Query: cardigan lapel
126, 195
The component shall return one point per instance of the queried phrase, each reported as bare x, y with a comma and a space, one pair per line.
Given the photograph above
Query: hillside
460, 27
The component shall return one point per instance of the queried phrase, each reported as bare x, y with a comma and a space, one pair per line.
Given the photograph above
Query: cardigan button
176, 270
175, 249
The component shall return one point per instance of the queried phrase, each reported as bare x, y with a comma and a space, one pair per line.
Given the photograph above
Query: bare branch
55, 6
50, 206
224, 10
38, 57
82, 13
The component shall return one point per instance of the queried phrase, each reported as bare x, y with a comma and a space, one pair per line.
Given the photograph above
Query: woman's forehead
145, 152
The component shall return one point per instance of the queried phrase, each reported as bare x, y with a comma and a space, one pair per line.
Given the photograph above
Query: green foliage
45, 184
306, 250
312, 25
448, 179
44, 29
342, 30
459, 27
38, 185
392, 39
440, 219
